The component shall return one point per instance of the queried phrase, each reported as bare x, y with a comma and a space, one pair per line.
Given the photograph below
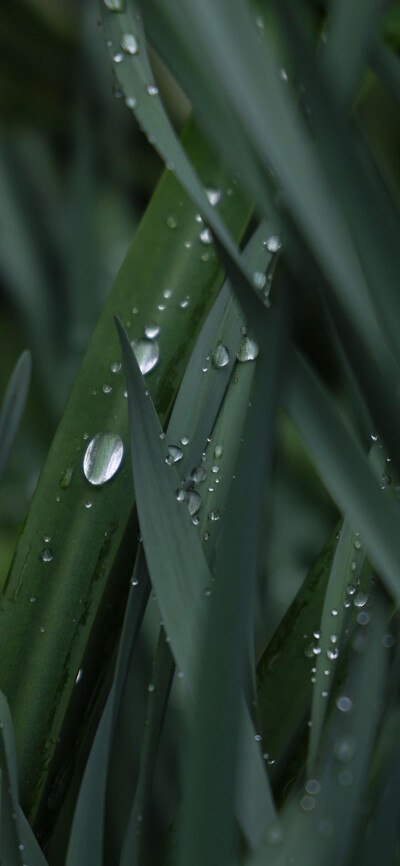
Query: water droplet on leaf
147, 354
103, 457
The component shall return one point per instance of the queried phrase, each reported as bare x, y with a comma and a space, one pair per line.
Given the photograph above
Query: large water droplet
248, 350
193, 502
199, 474
147, 354
129, 43
220, 356
213, 195
103, 457
360, 598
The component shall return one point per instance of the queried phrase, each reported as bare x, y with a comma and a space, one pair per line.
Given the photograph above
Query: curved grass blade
69, 587
13, 406
351, 28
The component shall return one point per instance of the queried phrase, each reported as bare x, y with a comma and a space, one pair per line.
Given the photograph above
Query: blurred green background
76, 174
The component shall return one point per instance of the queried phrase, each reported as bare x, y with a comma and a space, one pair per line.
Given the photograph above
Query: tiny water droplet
363, 618
214, 515
32, 598
175, 454
205, 236
147, 354
273, 244
88, 504
184, 303
332, 653
152, 90
344, 704
220, 357
115, 366
345, 748
374, 437
172, 222
213, 195
115, 5
118, 57
79, 676
106, 388
47, 539
152, 331
151, 687
46, 554
248, 350
129, 43
131, 102
103, 458
259, 279
185, 440
180, 494
167, 293
218, 451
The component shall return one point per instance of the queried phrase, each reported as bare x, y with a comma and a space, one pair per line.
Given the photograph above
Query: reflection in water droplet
248, 350
46, 554
103, 457
129, 43
205, 236
147, 354
193, 502
220, 357
213, 195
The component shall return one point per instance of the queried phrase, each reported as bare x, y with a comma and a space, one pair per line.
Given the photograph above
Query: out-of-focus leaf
13, 406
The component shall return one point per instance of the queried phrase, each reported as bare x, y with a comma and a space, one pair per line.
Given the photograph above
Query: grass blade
13, 406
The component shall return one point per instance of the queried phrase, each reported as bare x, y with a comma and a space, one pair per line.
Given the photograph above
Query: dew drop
273, 244
152, 331
360, 598
248, 350
151, 687
198, 475
213, 195
172, 222
115, 366
118, 57
47, 538
32, 598
147, 354
167, 293
218, 451
79, 676
115, 5
184, 303
185, 440
103, 457
46, 554
193, 502
180, 494
88, 504
205, 236
220, 357
129, 43
332, 653
131, 102
214, 515
175, 454
344, 704
106, 388
259, 279
152, 90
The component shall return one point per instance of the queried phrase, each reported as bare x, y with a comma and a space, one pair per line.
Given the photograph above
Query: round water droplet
344, 704
46, 554
248, 350
115, 366
198, 475
332, 653
220, 357
360, 598
259, 279
205, 236
103, 457
147, 354
118, 57
218, 450
312, 786
180, 494
215, 469
273, 244
152, 330
185, 440
131, 102
129, 43
88, 504
106, 388
175, 454
32, 598
357, 544
374, 437
214, 515
152, 90
193, 502
47, 539
115, 5
213, 195
167, 293
172, 222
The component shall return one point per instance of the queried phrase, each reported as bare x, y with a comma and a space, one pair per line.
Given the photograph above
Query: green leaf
13, 406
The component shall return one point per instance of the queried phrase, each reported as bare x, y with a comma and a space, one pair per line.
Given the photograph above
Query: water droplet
47, 539
46, 554
172, 222
334, 612
332, 653
147, 354
317, 634
151, 687
213, 195
152, 90
345, 748
344, 704
193, 502
312, 786
248, 350
283, 74
205, 236
88, 504
167, 293
115, 5
152, 331
184, 303
273, 244
259, 279
218, 451
42, 629
199, 218
118, 57
357, 544
220, 357
363, 618
360, 598
388, 640
307, 803
115, 367
131, 102
185, 440
198, 475
79, 676
129, 43
207, 591
215, 469
103, 457
374, 437
32, 598
309, 650
214, 515
175, 454
106, 388
180, 494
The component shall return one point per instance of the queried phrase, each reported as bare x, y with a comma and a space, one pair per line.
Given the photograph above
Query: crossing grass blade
351, 28
13, 406
85, 541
